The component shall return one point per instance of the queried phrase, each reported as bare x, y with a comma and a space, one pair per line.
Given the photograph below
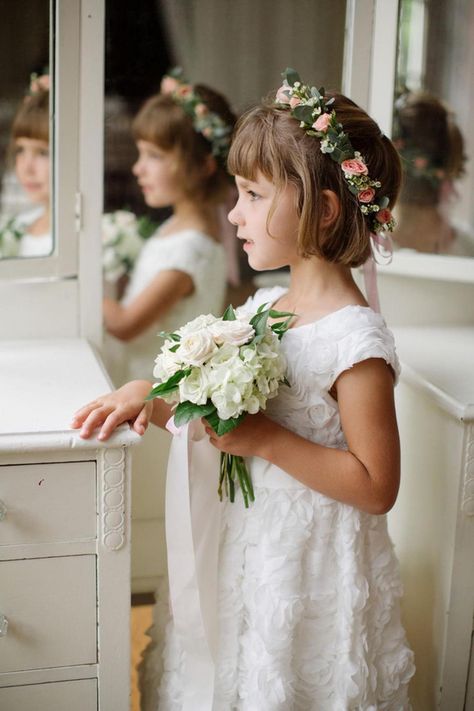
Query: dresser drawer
47, 503
50, 606
60, 696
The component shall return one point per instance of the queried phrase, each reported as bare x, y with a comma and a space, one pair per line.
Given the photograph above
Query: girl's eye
253, 195
44, 153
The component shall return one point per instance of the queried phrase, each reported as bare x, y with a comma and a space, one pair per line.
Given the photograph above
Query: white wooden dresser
64, 536
432, 523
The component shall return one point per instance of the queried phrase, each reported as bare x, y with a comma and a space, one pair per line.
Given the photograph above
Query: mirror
432, 127
25, 120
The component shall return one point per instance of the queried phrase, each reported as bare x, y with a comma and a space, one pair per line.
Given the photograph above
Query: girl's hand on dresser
250, 438
127, 404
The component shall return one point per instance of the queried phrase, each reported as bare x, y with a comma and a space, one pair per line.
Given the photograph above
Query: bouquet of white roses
222, 369
123, 236
11, 232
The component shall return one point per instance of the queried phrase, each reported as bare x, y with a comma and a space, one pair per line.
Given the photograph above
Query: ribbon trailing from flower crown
382, 251
193, 513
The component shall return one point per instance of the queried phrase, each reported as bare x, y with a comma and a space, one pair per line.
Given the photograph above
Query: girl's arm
367, 475
127, 322
127, 404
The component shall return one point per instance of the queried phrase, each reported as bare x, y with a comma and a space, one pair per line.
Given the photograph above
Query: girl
433, 157
30, 150
308, 584
182, 137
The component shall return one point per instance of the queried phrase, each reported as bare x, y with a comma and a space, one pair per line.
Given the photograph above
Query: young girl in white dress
308, 585
30, 152
182, 136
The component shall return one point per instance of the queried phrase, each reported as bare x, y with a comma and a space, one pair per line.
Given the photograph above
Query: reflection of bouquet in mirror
11, 232
123, 236
222, 369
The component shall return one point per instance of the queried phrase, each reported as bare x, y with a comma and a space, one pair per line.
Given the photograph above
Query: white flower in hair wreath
317, 117
206, 122
11, 232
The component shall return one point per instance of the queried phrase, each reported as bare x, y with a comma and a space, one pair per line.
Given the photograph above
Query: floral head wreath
39, 82
317, 117
206, 122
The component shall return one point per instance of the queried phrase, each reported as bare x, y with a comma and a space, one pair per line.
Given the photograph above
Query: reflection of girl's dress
29, 245
203, 259
308, 591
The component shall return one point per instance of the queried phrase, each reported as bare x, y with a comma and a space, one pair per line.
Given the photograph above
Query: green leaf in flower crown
304, 113
315, 93
187, 411
229, 314
291, 76
169, 385
383, 202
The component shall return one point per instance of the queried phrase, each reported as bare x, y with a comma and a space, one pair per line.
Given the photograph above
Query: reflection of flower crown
39, 82
206, 122
318, 118
418, 164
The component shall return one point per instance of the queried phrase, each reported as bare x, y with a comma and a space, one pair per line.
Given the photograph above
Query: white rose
125, 220
234, 332
195, 387
166, 364
196, 347
197, 324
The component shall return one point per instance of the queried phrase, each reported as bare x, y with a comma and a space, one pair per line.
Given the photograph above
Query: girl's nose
136, 167
234, 217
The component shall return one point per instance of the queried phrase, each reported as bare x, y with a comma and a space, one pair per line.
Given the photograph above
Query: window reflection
25, 221
430, 130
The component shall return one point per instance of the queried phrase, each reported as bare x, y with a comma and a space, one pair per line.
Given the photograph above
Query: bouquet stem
233, 467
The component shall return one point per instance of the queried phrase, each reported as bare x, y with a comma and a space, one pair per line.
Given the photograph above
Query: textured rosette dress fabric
308, 588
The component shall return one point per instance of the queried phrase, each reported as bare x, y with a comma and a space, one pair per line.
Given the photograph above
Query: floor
140, 621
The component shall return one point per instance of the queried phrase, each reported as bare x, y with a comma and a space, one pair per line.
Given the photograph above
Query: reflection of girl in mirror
182, 136
29, 234
432, 150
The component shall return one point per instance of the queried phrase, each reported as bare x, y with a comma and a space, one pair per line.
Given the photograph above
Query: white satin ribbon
192, 536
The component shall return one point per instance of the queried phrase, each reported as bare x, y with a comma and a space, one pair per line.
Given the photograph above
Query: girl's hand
251, 438
127, 404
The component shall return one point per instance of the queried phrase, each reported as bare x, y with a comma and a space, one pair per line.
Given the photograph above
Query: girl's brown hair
32, 118
163, 122
268, 139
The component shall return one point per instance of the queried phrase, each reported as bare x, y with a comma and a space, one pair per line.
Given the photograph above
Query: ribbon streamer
382, 252
193, 515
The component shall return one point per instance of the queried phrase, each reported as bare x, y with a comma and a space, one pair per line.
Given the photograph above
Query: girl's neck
318, 288
189, 215
41, 225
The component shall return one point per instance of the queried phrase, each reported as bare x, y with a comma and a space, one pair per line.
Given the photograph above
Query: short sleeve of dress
184, 252
362, 334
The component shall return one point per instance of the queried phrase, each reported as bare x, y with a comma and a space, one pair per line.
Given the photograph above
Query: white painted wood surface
432, 524
64, 536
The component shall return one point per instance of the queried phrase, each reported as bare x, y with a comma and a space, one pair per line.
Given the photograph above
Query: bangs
253, 148
32, 120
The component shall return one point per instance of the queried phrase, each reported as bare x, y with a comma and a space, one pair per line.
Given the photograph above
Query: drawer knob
3, 510
3, 626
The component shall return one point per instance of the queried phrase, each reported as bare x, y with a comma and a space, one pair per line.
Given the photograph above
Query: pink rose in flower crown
366, 195
294, 101
184, 90
384, 216
354, 166
201, 110
322, 123
281, 95
168, 85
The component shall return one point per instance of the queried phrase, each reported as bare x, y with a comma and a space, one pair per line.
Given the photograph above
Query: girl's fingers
112, 421
96, 418
142, 421
80, 415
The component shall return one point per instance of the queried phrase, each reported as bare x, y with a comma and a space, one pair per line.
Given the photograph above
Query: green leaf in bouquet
187, 411
219, 426
168, 336
146, 227
286, 382
169, 385
280, 314
261, 307
259, 322
229, 314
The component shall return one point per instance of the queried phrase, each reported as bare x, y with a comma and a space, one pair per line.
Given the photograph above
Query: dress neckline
322, 318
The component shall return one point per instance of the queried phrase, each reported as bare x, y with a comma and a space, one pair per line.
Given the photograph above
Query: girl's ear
331, 208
